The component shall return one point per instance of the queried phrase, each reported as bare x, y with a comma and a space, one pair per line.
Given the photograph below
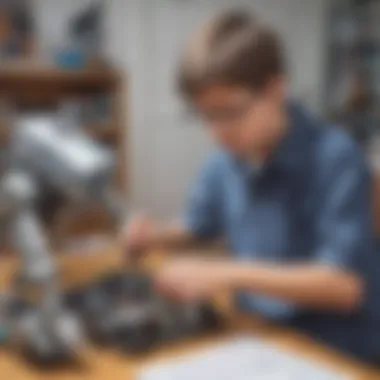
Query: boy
290, 195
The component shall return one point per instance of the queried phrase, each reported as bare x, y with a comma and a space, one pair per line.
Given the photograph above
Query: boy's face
241, 122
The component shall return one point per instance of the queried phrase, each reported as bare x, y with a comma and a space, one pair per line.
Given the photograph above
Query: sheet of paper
241, 358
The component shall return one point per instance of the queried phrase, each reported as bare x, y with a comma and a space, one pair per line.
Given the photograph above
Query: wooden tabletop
102, 364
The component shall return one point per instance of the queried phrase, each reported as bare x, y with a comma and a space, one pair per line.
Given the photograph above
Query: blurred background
112, 64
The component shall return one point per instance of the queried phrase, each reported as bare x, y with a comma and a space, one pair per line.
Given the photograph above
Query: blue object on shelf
4, 334
71, 59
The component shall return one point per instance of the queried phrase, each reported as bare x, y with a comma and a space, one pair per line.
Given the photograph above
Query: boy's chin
257, 155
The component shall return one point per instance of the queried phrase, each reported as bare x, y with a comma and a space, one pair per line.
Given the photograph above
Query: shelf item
353, 80
17, 29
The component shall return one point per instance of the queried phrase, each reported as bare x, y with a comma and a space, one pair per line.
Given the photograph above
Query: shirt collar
287, 152
286, 155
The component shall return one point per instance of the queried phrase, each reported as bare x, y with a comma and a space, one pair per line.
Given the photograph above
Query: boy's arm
339, 274
306, 286
309, 286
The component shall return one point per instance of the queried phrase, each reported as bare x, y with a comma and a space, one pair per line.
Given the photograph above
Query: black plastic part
75, 299
137, 338
112, 285
127, 285
99, 303
210, 319
137, 287
54, 359
17, 308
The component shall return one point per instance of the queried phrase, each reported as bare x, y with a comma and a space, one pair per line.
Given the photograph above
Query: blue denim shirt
310, 203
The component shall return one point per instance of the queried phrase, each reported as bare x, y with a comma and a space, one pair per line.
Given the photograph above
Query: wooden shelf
28, 74
106, 132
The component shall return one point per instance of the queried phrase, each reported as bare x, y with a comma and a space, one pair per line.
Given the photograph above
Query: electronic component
124, 311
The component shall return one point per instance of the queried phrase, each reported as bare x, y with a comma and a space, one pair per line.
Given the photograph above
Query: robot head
64, 158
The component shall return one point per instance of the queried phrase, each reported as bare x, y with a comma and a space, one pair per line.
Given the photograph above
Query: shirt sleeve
344, 225
203, 216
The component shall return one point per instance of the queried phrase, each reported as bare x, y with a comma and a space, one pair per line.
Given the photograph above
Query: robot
122, 310
49, 151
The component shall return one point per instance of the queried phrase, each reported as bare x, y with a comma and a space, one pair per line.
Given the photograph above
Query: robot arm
44, 333
18, 192
66, 159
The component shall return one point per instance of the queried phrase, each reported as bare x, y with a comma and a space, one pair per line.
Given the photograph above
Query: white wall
306, 39
160, 145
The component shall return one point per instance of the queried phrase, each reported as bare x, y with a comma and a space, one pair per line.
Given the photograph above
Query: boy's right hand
137, 237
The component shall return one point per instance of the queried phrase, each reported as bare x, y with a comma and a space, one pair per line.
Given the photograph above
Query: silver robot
50, 150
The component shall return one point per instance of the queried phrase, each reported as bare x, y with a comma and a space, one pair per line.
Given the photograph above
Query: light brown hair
232, 48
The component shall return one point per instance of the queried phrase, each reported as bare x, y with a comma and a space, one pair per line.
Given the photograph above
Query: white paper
241, 359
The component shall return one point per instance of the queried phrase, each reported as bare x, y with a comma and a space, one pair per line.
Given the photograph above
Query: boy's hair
234, 49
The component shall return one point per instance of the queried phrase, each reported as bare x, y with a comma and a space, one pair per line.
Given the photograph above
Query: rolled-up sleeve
203, 216
344, 224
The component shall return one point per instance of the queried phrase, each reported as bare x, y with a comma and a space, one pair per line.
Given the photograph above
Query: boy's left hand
194, 279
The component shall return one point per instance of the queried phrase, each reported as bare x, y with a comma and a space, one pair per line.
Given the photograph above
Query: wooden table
103, 364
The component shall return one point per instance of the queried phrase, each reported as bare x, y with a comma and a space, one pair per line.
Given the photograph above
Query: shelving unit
353, 80
31, 86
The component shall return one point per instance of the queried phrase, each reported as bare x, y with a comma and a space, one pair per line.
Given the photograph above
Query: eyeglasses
226, 115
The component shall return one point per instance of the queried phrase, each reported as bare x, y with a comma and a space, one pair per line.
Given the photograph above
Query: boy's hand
195, 279
137, 237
